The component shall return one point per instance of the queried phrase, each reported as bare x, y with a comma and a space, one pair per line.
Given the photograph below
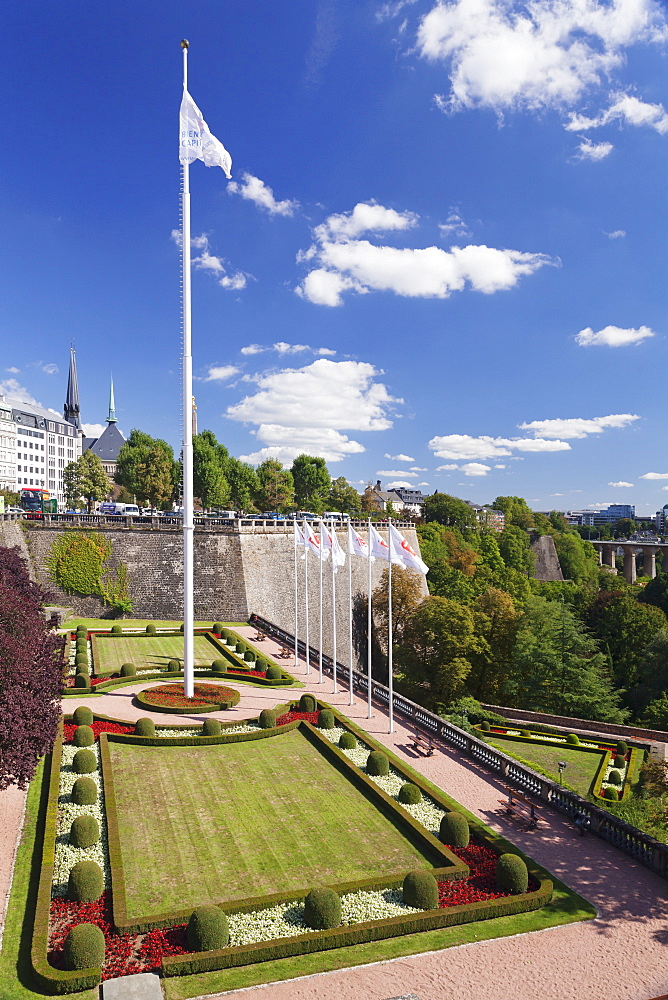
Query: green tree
652, 672
516, 511
368, 504
209, 461
496, 621
343, 497
11, 498
515, 549
85, 478
312, 483
624, 527
244, 484
146, 468
578, 559
656, 592
449, 511
275, 487
407, 594
625, 628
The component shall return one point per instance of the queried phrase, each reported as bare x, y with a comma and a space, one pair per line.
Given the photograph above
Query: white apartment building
8, 461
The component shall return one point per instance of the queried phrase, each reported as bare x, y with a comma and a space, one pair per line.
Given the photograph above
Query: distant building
614, 512
402, 499
488, 517
109, 443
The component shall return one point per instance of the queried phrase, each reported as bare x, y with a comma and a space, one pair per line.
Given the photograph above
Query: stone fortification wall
546, 566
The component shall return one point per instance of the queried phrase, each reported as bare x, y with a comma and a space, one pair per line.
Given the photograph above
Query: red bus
35, 502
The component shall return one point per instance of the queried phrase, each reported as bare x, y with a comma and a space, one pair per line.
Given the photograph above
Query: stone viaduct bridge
607, 552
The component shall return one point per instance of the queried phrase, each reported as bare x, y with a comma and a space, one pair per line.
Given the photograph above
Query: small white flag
196, 141
408, 555
380, 548
357, 545
330, 543
313, 541
300, 539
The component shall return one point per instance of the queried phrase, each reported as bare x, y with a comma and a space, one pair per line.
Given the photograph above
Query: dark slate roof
108, 444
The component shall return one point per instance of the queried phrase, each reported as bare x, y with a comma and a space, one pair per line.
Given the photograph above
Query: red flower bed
291, 716
172, 696
97, 727
126, 954
481, 883
253, 673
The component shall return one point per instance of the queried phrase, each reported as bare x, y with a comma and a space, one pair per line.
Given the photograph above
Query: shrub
116, 630
85, 883
347, 741
84, 947
151, 630
307, 703
615, 778
619, 761
611, 793
85, 762
622, 748
84, 792
420, 889
326, 719
512, 874
377, 764
81, 630
322, 909
81, 658
83, 736
274, 672
267, 718
207, 929
485, 726
128, 670
240, 646
454, 830
573, 740
145, 727
84, 831
249, 656
525, 732
82, 681
182, 628
83, 669
220, 666
82, 716
173, 666
211, 727
82, 645
218, 628
410, 794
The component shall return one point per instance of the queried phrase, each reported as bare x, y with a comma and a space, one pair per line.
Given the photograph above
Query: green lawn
220, 823
581, 766
149, 651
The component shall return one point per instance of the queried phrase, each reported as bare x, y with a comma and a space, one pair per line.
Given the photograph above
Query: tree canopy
449, 511
312, 482
85, 478
146, 468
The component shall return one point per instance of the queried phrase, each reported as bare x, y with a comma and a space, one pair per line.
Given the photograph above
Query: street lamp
561, 765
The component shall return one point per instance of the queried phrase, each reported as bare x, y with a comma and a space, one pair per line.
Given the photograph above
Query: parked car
14, 510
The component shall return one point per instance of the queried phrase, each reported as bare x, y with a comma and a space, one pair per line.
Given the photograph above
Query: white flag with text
313, 542
408, 555
357, 545
196, 141
380, 548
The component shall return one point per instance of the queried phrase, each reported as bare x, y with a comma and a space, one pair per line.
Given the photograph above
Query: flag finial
185, 44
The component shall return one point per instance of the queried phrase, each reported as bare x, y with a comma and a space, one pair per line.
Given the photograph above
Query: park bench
423, 744
517, 805
285, 654
258, 637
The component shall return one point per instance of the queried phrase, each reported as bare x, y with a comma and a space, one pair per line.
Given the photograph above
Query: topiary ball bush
81, 630
128, 670
218, 628
207, 929
249, 657
611, 793
182, 628
85, 883
377, 764
82, 716
454, 830
267, 718
410, 794
84, 762
274, 672
84, 792
347, 741
322, 909
573, 740
81, 681
85, 831
512, 874
83, 668
81, 646
83, 736
240, 646
211, 727
525, 733
307, 703
622, 748
116, 630
485, 726
173, 666
615, 778
325, 718
619, 761
420, 889
84, 947
145, 727
81, 658
220, 666
151, 630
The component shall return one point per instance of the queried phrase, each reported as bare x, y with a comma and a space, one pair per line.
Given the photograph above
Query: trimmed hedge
173, 666
116, 630
144, 727
84, 792
267, 718
377, 764
128, 670
485, 726
573, 740
85, 883
82, 716
512, 874
84, 831
218, 628
219, 665
325, 718
615, 778
619, 761
84, 947
274, 672
82, 681
207, 929
322, 909
83, 736
308, 703
409, 794
347, 741
151, 630
211, 727
454, 830
622, 748
84, 762
420, 889
611, 793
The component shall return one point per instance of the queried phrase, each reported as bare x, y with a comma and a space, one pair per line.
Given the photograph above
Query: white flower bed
197, 730
73, 653
65, 855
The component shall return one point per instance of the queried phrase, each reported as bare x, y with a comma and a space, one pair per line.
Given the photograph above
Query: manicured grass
149, 651
220, 823
580, 770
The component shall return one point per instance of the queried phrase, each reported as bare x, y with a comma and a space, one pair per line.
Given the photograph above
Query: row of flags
325, 543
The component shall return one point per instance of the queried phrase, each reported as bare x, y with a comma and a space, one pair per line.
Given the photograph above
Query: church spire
71, 411
111, 419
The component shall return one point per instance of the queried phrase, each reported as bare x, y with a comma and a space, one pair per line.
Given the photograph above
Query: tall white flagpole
350, 617
389, 624
188, 526
296, 598
368, 628
335, 689
320, 643
308, 648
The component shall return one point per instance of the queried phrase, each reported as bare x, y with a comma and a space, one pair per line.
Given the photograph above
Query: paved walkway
621, 955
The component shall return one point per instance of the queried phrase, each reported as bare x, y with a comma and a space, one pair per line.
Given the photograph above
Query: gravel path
619, 956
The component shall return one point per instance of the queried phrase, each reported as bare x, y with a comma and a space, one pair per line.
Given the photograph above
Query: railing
640, 846
169, 522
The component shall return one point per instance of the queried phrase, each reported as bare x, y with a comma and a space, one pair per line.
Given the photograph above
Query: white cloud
234, 281
613, 336
366, 217
398, 482
655, 475
417, 468
532, 56
595, 151
397, 472
446, 468
305, 409
13, 371
499, 466
475, 469
616, 234
44, 366
620, 484
325, 352
221, 373
253, 349
93, 430
578, 427
17, 392
255, 190
627, 109
402, 458
391, 9
423, 484
454, 225
282, 348
324, 288
207, 261
464, 446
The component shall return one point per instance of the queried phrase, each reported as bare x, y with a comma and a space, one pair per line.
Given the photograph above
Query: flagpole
350, 617
320, 643
188, 526
389, 623
368, 628
308, 648
296, 597
334, 568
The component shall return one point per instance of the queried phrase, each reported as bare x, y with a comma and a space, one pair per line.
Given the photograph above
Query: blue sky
441, 260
